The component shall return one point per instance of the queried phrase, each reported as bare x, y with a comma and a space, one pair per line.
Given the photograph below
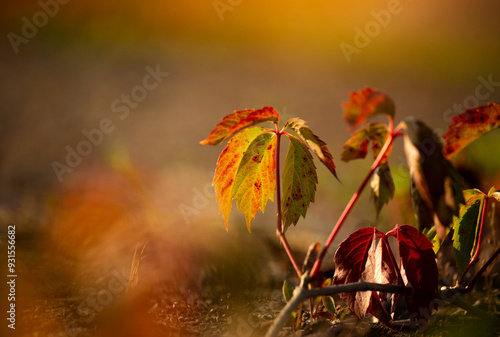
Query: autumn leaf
466, 228
314, 142
239, 120
357, 146
227, 167
255, 181
299, 182
433, 237
418, 260
355, 262
365, 103
469, 126
493, 193
382, 186
436, 188
385, 272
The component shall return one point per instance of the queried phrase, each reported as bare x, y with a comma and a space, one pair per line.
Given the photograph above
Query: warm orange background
135, 186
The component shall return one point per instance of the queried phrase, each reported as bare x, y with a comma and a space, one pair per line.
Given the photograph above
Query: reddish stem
481, 225
475, 258
348, 208
279, 227
472, 282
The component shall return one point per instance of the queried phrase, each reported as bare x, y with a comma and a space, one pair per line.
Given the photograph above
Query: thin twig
472, 282
302, 293
452, 296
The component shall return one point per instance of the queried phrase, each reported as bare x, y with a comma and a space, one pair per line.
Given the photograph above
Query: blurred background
103, 104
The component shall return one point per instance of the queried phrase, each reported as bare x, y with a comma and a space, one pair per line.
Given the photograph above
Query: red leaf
239, 120
354, 262
363, 104
418, 260
377, 309
469, 126
385, 272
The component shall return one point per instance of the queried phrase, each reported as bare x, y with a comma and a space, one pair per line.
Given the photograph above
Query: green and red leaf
227, 167
357, 146
255, 181
299, 182
493, 193
365, 103
469, 126
314, 142
239, 120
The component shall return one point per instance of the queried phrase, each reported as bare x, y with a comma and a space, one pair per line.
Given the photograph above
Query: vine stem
279, 227
392, 135
472, 282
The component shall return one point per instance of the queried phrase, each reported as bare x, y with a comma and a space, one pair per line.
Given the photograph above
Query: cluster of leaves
360, 258
246, 167
248, 171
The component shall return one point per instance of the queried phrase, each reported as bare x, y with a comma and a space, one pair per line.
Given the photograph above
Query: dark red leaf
385, 271
419, 264
355, 262
377, 309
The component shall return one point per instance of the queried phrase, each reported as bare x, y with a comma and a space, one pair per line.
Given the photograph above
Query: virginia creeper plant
368, 277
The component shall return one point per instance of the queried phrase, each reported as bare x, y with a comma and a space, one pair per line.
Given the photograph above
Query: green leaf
357, 146
466, 230
365, 103
239, 120
329, 304
494, 194
227, 167
382, 186
299, 182
255, 181
287, 291
314, 142
433, 237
